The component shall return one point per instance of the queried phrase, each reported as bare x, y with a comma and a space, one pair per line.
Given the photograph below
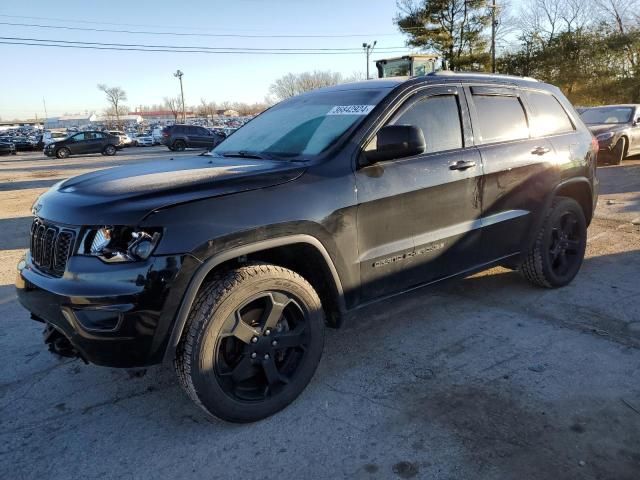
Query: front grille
51, 247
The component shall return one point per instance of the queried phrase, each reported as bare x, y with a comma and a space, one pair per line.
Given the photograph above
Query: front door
77, 145
418, 217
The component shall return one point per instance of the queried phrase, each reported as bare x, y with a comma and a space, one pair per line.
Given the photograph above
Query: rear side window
501, 118
549, 117
439, 119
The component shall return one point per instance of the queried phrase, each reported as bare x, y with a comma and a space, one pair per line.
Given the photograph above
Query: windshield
302, 126
607, 115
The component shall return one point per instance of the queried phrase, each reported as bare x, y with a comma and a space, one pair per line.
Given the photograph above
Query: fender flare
208, 265
549, 200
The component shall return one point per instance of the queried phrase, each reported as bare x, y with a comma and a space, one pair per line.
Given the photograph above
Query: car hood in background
125, 195
602, 128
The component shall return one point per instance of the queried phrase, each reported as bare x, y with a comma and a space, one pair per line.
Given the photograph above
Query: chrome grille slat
51, 246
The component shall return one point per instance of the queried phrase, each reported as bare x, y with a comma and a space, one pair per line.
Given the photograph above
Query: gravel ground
486, 377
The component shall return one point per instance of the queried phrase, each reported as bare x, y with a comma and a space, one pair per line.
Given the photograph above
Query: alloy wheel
261, 346
565, 243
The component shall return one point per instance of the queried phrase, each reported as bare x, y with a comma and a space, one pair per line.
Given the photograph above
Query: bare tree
173, 104
296, 83
115, 97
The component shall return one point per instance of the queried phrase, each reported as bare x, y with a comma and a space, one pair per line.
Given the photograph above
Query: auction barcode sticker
350, 110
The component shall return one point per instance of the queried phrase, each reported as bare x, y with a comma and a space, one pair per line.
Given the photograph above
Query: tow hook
58, 343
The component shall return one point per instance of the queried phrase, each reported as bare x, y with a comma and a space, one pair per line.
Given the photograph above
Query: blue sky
67, 78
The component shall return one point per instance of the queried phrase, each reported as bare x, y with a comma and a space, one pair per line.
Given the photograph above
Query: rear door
518, 167
418, 217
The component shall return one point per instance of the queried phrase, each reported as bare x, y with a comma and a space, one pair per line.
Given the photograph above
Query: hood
597, 129
125, 195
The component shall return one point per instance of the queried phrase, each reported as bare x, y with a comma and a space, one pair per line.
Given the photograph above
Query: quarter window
549, 116
439, 119
500, 118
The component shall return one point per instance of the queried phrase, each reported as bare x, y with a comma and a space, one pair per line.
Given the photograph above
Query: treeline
588, 48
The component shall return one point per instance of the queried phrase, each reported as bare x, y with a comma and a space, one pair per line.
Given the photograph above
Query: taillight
165, 134
594, 144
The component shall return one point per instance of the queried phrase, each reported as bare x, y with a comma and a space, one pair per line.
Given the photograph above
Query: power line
41, 43
66, 21
183, 34
189, 47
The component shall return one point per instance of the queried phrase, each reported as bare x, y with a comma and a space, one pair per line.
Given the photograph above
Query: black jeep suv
181, 137
231, 264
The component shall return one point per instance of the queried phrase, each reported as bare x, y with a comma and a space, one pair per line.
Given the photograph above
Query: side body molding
211, 263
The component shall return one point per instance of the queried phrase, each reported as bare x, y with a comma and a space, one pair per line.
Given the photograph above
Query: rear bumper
114, 315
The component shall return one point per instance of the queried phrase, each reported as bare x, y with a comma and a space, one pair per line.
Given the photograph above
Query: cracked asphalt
482, 378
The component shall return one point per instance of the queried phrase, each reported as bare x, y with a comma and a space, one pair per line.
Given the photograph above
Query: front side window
306, 125
78, 137
550, 118
439, 119
500, 118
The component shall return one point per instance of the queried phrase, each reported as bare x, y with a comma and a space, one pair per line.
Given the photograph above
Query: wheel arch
580, 190
285, 251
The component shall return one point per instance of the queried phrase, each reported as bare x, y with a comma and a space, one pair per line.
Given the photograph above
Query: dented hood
125, 195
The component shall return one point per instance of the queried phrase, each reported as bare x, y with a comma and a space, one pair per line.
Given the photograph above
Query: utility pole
179, 75
46, 115
494, 24
368, 48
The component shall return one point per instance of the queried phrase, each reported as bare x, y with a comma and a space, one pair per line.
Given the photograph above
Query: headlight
120, 244
605, 136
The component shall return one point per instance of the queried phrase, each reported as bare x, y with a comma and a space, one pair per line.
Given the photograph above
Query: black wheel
252, 342
109, 150
617, 154
63, 152
179, 145
556, 257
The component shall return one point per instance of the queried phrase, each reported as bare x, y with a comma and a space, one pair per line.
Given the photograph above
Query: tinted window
549, 116
98, 135
439, 119
500, 118
78, 137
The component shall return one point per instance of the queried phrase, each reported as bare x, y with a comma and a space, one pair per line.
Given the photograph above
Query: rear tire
179, 146
63, 152
252, 342
558, 252
109, 150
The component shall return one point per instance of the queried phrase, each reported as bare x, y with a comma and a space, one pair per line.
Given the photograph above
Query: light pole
179, 75
368, 48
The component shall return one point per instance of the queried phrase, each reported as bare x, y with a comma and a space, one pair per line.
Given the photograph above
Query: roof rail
444, 73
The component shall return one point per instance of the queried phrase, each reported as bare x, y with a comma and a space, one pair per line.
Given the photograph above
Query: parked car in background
180, 137
125, 140
617, 129
143, 140
7, 148
231, 265
84, 143
53, 136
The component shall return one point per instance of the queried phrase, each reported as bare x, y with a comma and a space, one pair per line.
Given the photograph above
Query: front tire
617, 154
558, 252
252, 342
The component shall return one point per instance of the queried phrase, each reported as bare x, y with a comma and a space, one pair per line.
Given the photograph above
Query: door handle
462, 165
540, 150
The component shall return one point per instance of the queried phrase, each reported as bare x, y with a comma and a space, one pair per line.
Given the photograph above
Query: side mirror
397, 141
636, 121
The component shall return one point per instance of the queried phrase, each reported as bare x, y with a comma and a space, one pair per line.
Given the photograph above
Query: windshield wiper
245, 154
